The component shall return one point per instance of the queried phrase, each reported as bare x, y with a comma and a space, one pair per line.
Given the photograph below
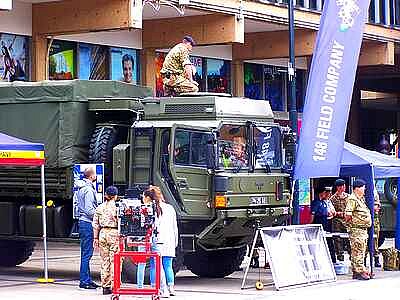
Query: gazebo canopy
17, 152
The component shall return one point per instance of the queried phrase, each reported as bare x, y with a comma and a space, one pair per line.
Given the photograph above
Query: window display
62, 60
253, 81
93, 62
13, 57
218, 75
124, 65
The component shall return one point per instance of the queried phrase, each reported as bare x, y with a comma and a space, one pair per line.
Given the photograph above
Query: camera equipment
135, 219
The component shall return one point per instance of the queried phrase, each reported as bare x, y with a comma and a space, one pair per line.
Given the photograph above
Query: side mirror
289, 145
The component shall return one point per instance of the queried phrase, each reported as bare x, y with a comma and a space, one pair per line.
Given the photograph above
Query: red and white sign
6, 4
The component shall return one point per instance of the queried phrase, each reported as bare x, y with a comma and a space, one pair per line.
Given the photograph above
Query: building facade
242, 49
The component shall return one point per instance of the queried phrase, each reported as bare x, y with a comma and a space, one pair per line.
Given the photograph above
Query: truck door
190, 153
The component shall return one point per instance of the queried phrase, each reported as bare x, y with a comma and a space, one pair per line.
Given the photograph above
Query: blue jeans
141, 268
169, 271
86, 237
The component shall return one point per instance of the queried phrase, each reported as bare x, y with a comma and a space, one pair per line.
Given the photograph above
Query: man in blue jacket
87, 204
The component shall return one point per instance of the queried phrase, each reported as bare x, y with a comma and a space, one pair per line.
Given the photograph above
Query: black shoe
377, 264
107, 291
87, 286
94, 284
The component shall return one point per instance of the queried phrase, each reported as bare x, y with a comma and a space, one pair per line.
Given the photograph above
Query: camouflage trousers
358, 242
178, 84
108, 245
341, 244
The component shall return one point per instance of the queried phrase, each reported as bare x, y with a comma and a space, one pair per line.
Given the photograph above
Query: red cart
136, 257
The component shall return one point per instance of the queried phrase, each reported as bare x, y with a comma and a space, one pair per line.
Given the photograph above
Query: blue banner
330, 88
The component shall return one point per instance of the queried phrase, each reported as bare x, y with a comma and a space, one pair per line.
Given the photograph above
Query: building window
218, 75
93, 62
124, 65
253, 81
62, 60
14, 57
275, 87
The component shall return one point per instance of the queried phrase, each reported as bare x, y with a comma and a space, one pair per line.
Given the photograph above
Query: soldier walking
358, 218
177, 70
105, 230
338, 200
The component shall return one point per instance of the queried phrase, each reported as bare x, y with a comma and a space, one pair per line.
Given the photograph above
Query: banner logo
349, 10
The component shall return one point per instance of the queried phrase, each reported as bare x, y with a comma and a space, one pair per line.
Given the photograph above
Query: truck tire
391, 190
215, 264
102, 142
13, 253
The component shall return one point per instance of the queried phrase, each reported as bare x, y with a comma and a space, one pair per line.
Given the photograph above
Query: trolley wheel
155, 297
259, 286
115, 297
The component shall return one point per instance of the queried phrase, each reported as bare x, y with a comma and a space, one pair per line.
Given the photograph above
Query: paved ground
20, 283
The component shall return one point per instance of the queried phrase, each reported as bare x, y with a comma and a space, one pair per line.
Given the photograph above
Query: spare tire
215, 263
102, 142
391, 190
14, 253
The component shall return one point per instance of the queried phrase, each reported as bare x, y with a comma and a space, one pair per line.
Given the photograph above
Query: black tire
102, 142
215, 264
129, 271
14, 253
177, 263
391, 190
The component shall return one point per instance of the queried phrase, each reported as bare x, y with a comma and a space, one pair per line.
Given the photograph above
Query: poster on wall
13, 57
62, 60
160, 57
123, 65
93, 62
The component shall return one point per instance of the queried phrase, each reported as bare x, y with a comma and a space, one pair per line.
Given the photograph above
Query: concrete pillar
39, 54
237, 78
148, 68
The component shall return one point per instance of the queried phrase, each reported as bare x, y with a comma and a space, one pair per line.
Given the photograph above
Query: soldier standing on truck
87, 204
177, 70
338, 200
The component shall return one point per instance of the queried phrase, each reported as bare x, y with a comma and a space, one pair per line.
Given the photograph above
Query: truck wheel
391, 190
13, 253
129, 271
103, 139
215, 264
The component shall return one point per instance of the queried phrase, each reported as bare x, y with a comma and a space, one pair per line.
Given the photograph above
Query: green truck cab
220, 161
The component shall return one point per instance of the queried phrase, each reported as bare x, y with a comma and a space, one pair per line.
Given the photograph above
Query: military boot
377, 264
361, 276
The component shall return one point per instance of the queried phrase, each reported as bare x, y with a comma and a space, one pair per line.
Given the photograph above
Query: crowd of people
98, 229
348, 213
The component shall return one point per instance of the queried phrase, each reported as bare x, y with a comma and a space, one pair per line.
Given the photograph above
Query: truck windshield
233, 152
268, 147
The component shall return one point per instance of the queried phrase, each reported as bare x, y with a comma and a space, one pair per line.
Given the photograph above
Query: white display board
6, 4
298, 255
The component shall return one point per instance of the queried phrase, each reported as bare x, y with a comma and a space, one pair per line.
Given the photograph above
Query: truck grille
187, 108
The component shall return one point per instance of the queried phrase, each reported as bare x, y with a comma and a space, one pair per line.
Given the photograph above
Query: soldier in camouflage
105, 230
377, 228
358, 218
338, 200
177, 70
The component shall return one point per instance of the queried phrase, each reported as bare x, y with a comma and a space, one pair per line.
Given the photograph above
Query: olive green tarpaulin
56, 113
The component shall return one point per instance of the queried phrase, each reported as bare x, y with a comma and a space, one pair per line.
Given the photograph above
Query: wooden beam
205, 29
237, 78
377, 53
80, 16
148, 68
39, 54
274, 44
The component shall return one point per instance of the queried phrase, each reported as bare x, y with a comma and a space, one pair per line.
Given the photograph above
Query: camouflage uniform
105, 219
339, 224
377, 225
358, 231
174, 67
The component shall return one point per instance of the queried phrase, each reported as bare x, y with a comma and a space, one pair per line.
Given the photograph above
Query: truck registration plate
258, 200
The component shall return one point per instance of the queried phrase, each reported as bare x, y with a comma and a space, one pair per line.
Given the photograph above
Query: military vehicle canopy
58, 112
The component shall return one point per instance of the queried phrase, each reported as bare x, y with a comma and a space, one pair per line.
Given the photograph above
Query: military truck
387, 190
220, 161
